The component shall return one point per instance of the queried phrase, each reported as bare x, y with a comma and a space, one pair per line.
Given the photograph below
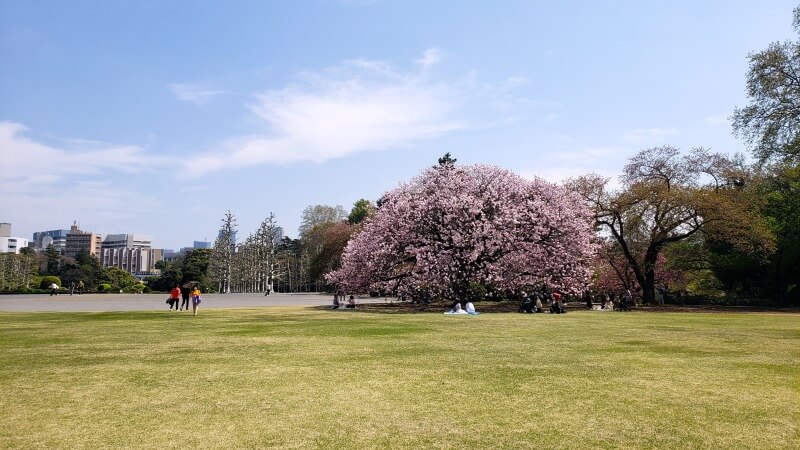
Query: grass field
290, 377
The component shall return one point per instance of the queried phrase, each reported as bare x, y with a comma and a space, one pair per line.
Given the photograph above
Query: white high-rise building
8, 243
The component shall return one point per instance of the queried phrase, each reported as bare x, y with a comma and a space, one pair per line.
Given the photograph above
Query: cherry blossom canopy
456, 225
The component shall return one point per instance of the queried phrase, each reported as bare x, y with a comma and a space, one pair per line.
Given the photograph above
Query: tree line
29, 271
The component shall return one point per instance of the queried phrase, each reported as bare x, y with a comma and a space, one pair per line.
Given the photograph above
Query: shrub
135, 289
105, 287
48, 280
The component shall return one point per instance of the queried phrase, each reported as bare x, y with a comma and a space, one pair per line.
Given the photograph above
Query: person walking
71, 287
175, 297
186, 292
81, 286
196, 299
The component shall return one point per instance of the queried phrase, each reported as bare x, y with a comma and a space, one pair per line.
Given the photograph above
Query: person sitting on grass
557, 307
456, 309
526, 306
336, 303
471, 309
351, 304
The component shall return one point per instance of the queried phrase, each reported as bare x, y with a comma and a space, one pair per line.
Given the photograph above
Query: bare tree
223, 253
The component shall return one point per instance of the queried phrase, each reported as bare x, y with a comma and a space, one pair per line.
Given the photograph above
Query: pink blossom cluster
456, 225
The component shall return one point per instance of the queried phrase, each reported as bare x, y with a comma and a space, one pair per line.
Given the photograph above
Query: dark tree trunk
649, 282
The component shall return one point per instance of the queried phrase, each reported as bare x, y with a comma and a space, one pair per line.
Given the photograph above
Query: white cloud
430, 57
38, 180
649, 135
198, 94
356, 106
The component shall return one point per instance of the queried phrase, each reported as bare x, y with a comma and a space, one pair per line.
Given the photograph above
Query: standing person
175, 297
196, 299
185, 293
71, 287
81, 286
662, 292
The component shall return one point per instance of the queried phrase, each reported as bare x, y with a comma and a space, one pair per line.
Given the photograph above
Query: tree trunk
649, 284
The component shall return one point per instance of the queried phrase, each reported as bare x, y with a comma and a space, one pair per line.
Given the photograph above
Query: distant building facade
56, 238
8, 243
78, 240
130, 252
202, 244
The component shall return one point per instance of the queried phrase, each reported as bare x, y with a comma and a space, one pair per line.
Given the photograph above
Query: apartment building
78, 240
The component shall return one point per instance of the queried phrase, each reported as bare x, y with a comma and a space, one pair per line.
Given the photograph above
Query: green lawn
288, 377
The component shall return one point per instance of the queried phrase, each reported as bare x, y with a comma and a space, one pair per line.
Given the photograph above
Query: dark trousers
185, 303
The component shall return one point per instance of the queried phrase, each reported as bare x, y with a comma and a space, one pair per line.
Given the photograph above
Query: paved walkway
149, 302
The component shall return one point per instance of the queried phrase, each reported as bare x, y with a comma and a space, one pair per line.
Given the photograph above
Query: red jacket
176, 293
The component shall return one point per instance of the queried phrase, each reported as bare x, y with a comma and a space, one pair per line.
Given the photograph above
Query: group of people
76, 287
468, 309
609, 301
180, 296
338, 299
72, 288
534, 303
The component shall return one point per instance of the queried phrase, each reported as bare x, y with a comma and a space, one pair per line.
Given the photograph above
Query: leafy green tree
92, 272
171, 275
770, 123
195, 267
447, 160
119, 279
667, 198
316, 215
362, 209
53, 261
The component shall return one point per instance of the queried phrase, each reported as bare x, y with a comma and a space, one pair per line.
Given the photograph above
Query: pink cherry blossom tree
456, 225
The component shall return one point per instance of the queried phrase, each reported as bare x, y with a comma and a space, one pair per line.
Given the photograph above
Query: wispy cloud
430, 58
649, 135
573, 163
198, 94
38, 179
359, 105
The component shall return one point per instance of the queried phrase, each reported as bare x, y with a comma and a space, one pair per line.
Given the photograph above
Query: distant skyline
158, 117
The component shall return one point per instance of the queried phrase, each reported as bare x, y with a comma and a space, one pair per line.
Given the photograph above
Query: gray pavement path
150, 302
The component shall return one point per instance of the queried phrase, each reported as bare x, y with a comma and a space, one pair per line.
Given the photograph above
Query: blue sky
157, 117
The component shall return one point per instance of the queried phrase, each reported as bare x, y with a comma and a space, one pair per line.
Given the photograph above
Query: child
196, 299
